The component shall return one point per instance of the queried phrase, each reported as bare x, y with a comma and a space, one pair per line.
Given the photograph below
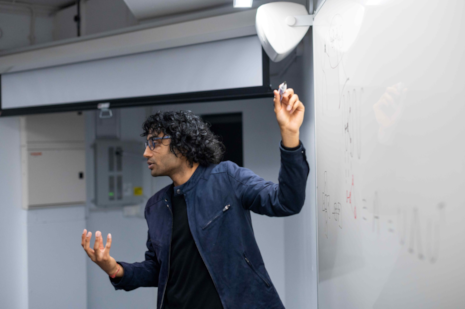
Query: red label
36, 153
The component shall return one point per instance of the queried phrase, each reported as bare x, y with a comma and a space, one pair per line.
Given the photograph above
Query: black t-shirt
190, 285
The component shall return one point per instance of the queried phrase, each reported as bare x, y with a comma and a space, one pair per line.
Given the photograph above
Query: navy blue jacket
219, 199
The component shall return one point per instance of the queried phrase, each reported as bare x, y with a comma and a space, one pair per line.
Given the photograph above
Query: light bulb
243, 3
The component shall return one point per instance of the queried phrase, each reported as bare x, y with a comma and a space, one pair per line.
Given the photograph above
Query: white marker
282, 89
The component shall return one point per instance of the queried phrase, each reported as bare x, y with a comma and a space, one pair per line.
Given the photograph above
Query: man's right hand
100, 255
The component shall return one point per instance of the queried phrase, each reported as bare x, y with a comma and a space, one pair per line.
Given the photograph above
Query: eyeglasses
151, 142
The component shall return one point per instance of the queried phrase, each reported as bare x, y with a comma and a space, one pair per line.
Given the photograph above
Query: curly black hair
190, 136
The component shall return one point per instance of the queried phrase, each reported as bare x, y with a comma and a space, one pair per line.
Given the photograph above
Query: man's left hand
289, 112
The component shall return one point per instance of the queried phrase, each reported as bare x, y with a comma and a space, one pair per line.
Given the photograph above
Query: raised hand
100, 254
289, 111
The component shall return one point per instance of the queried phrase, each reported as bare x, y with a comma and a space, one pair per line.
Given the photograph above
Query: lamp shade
276, 36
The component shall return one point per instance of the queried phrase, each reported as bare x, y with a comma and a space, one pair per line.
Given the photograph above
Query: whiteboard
390, 126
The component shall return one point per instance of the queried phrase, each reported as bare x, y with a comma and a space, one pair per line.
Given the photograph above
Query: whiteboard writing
389, 106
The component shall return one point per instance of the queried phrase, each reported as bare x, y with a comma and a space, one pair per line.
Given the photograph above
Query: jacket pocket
256, 271
225, 208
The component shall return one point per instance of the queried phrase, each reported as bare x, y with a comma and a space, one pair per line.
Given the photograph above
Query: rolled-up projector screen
216, 70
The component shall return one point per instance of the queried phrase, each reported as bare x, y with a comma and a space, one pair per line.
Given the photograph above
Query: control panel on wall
118, 171
53, 159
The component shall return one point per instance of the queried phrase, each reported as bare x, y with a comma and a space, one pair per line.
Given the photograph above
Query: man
201, 250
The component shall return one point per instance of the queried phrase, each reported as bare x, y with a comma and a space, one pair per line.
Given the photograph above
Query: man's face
161, 161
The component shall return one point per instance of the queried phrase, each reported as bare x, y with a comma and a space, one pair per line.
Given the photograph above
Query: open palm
100, 254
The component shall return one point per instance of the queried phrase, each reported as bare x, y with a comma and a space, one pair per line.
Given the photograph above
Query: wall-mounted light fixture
281, 26
243, 3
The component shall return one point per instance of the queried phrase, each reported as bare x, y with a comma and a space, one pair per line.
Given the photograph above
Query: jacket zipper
253, 268
169, 258
206, 265
216, 217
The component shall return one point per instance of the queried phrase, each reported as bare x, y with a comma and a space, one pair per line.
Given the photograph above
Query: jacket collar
188, 185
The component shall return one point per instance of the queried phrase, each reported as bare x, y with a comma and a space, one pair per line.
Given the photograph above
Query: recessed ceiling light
243, 3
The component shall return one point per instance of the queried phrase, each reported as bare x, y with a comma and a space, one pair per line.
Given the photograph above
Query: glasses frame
151, 141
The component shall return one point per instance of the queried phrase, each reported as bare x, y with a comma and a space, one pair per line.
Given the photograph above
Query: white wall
56, 264
41, 247
13, 286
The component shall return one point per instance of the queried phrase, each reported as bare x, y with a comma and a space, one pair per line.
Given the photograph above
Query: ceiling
143, 9
154, 8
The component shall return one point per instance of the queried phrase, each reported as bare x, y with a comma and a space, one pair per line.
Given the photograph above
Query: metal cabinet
53, 160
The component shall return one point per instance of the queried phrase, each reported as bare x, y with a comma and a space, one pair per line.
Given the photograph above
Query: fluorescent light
243, 3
